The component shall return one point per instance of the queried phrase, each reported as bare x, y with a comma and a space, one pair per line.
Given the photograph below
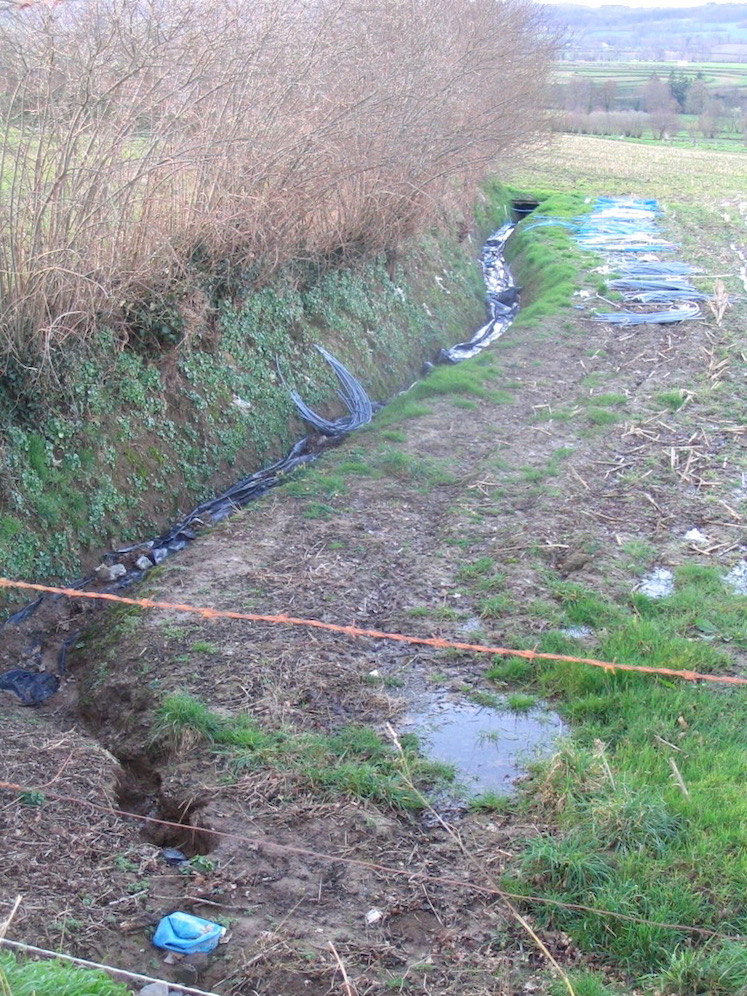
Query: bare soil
294, 873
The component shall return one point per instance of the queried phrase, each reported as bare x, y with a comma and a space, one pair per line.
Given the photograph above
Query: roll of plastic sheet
620, 228
352, 395
648, 317
655, 268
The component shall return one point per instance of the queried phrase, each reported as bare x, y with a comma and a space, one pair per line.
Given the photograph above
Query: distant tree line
711, 32
663, 106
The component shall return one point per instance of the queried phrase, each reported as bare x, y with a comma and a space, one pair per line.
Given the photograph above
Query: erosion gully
486, 744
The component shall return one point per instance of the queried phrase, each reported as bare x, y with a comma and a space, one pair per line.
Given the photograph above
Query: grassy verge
354, 761
130, 438
638, 795
20, 977
548, 262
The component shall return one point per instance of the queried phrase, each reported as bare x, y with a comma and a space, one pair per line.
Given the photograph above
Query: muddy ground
528, 475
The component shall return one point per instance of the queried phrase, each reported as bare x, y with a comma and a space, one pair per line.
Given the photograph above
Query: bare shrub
628, 124
142, 138
632, 123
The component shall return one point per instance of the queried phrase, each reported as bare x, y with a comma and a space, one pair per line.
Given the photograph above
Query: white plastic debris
373, 916
695, 536
155, 989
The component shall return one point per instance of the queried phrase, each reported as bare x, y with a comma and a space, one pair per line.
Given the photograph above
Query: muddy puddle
489, 747
659, 583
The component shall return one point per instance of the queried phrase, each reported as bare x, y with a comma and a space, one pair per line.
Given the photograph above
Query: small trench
168, 820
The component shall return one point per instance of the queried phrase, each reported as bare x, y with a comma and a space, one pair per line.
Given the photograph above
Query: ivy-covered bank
127, 436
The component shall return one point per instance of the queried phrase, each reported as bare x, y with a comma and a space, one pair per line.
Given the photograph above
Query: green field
600, 166
636, 73
724, 79
701, 103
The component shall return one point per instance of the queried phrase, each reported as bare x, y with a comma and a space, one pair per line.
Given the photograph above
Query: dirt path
558, 460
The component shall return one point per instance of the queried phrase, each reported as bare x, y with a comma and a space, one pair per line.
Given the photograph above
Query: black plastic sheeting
502, 299
31, 687
34, 687
360, 409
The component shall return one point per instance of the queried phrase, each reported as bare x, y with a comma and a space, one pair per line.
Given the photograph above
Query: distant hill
711, 33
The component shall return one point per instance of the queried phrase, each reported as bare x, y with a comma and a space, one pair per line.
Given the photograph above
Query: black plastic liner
502, 299
127, 565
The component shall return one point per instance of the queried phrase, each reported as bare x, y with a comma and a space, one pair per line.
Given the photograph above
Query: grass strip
645, 799
353, 761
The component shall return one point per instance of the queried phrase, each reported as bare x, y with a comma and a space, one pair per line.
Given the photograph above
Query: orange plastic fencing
427, 641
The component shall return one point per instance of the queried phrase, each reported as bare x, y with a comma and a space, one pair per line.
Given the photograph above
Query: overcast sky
640, 3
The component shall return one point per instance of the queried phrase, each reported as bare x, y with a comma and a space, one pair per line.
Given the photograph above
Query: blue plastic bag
187, 934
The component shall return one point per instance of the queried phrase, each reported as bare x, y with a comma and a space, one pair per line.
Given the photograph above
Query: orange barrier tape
377, 634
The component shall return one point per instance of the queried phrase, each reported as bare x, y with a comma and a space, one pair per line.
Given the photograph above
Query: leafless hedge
628, 124
141, 134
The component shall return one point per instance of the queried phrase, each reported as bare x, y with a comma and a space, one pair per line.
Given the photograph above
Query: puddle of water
577, 632
736, 579
489, 748
658, 584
